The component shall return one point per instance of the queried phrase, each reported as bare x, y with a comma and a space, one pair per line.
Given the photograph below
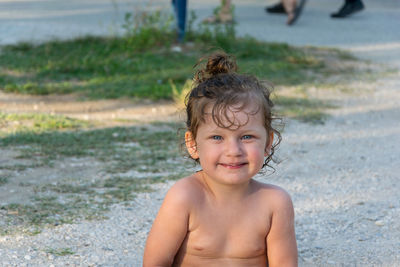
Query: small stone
94, 259
50, 257
176, 49
27, 257
308, 259
379, 223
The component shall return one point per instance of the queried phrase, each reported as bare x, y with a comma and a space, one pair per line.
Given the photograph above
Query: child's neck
226, 192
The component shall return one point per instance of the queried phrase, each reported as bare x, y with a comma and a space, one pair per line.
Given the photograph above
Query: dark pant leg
180, 13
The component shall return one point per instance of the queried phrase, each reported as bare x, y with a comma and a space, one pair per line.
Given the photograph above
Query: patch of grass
155, 142
61, 203
37, 123
149, 151
60, 251
302, 108
20, 167
50, 210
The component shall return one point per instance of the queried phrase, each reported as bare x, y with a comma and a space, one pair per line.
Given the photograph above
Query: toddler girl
221, 216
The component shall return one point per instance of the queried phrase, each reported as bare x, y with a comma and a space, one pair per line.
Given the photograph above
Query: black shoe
348, 9
277, 8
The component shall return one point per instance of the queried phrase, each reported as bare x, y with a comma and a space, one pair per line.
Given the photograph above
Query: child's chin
235, 180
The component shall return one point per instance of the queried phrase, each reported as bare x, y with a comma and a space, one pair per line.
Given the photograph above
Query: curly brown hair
219, 85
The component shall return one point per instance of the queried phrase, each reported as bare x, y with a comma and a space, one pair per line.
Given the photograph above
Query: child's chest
232, 232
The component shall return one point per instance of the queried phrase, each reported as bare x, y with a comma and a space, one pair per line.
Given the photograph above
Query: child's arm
281, 239
169, 228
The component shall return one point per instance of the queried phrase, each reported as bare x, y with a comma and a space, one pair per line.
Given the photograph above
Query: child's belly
190, 260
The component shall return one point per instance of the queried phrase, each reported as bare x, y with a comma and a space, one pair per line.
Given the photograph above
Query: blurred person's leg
288, 7
180, 14
293, 10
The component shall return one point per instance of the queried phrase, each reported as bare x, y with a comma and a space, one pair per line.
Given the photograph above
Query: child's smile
233, 165
232, 155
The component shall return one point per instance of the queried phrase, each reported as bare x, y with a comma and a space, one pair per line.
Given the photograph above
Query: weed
4, 179
146, 30
179, 96
60, 251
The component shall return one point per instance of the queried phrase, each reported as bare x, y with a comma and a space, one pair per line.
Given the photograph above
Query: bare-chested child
220, 216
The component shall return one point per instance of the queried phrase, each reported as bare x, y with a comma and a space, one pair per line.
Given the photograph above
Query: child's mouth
233, 165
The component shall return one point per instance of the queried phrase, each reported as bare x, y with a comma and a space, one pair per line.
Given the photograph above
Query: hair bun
217, 63
220, 63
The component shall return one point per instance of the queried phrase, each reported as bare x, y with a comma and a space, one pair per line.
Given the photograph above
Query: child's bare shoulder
274, 195
186, 191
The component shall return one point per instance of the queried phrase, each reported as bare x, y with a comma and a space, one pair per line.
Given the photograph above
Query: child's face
234, 155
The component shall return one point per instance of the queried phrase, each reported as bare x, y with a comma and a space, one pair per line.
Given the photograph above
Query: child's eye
247, 137
216, 137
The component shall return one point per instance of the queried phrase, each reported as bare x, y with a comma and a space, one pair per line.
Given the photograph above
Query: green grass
60, 251
37, 123
117, 145
98, 67
61, 203
303, 108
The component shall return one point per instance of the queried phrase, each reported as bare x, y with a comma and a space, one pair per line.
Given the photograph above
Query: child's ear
268, 146
191, 145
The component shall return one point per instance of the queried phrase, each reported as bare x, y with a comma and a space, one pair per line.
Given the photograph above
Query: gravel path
343, 177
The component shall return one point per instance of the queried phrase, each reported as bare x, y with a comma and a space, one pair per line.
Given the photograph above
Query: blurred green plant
179, 95
145, 30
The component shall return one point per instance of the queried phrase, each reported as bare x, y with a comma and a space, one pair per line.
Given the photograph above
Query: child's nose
234, 148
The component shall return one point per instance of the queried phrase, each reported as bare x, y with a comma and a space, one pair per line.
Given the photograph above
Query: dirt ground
107, 111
